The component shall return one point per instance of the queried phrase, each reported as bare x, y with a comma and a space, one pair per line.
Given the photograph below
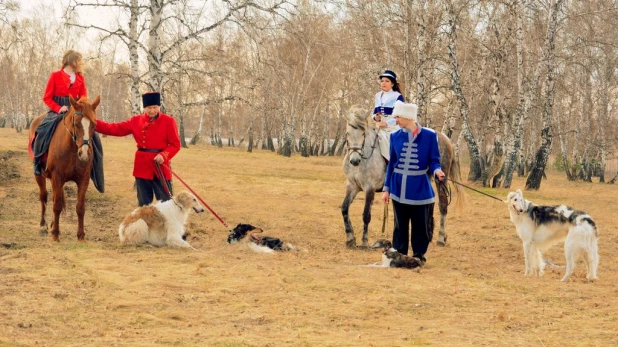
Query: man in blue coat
413, 154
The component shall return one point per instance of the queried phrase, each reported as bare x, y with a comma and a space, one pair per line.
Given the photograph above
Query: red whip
197, 196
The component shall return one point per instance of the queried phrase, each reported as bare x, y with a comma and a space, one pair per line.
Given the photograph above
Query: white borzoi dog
540, 227
162, 223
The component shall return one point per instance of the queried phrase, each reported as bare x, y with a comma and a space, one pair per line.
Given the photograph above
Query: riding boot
37, 167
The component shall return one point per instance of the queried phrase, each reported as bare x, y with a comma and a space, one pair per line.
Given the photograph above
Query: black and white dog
540, 227
392, 258
264, 244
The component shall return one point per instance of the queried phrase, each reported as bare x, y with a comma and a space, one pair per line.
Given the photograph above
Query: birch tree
549, 57
475, 157
513, 143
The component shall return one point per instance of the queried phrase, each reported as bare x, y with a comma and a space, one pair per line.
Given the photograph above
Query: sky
28, 7
55, 11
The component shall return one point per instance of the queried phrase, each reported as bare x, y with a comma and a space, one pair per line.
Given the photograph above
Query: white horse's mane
357, 117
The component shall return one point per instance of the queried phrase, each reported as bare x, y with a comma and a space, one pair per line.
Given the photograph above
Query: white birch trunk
421, 88
549, 56
154, 47
517, 127
134, 58
475, 157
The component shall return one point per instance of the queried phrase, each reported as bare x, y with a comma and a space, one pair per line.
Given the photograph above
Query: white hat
404, 110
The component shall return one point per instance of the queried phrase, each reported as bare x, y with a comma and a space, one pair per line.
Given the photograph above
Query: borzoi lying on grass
260, 244
392, 258
161, 223
540, 227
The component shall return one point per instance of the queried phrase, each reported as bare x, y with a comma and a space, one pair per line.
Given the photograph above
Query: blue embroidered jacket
384, 103
411, 157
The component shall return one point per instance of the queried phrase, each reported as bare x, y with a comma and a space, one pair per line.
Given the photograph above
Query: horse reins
359, 150
73, 133
442, 187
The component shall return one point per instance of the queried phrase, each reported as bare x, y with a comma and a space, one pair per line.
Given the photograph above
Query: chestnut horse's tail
455, 174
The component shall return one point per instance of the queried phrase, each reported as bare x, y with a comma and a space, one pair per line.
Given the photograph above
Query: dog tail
259, 249
587, 222
586, 231
134, 233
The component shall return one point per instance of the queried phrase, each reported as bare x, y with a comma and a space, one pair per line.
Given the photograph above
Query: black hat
389, 74
152, 98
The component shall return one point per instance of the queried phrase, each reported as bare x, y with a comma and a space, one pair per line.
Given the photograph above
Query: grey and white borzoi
365, 169
540, 227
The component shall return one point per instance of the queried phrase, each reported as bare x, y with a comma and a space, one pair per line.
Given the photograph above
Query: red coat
59, 84
160, 134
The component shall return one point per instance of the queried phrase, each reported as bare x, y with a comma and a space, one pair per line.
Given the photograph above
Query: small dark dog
392, 258
240, 232
265, 244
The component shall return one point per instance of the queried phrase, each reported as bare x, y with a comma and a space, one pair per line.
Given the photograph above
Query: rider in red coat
63, 83
68, 81
156, 135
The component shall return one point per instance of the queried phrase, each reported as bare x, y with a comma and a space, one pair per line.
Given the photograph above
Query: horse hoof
43, 231
441, 243
351, 243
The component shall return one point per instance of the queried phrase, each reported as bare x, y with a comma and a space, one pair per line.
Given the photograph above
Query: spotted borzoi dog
162, 223
260, 244
540, 227
392, 258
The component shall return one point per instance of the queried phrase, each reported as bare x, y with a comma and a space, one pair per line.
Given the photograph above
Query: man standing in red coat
157, 140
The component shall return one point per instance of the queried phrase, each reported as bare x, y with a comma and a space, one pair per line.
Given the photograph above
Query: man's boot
37, 168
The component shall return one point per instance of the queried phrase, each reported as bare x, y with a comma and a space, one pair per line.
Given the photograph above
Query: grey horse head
356, 133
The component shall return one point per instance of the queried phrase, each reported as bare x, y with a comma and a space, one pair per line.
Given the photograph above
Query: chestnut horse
69, 158
365, 170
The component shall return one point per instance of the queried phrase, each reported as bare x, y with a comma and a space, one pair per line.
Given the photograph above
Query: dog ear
509, 197
519, 192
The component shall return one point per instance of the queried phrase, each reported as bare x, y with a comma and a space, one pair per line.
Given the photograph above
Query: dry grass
471, 292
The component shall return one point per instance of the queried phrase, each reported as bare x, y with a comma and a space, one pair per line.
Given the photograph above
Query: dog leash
164, 182
478, 191
197, 196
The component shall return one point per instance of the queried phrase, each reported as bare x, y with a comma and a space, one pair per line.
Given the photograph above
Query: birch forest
519, 86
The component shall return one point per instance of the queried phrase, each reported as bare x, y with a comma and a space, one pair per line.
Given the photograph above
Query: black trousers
147, 189
421, 217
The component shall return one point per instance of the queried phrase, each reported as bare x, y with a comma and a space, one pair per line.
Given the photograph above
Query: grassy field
471, 292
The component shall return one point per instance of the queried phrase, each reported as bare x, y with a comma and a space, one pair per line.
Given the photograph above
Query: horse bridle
359, 150
74, 134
